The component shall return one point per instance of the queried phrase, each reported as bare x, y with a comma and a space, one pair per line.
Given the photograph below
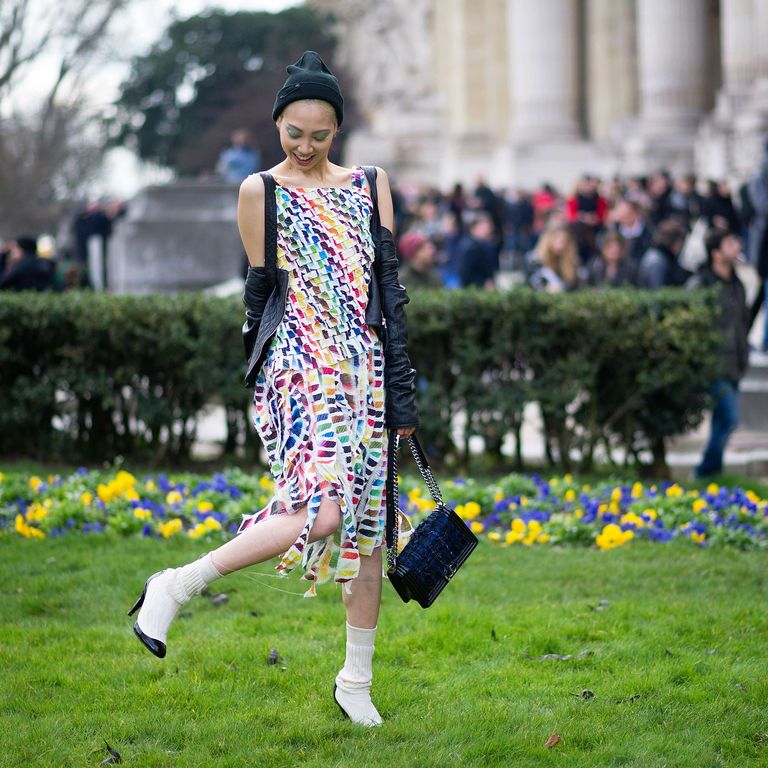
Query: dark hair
669, 232
27, 243
614, 237
713, 240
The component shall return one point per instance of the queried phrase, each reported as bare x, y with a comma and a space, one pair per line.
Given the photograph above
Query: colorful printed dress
319, 396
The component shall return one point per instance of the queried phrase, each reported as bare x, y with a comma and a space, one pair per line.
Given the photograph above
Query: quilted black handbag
438, 546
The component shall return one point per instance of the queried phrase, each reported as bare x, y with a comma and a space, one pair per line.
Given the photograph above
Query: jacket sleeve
399, 376
258, 288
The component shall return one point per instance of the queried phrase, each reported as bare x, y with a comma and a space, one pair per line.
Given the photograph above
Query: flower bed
514, 510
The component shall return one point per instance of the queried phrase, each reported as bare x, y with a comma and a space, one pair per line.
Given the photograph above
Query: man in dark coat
24, 269
659, 266
477, 256
723, 249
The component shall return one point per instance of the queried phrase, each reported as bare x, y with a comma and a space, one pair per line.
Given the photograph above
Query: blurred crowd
644, 232
43, 263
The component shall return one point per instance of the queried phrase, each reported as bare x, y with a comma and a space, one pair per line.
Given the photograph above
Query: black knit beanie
309, 78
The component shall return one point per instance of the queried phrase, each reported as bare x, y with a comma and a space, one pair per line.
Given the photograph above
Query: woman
557, 259
611, 267
319, 370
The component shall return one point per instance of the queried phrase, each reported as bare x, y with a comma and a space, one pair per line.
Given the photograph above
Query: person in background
659, 190
628, 221
418, 262
518, 223
659, 266
558, 261
239, 160
723, 249
24, 269
757, 195
477, 255
718, 209
586, 210
684, 202
546, 204
611, 266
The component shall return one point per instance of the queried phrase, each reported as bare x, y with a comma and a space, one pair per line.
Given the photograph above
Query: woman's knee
328, 519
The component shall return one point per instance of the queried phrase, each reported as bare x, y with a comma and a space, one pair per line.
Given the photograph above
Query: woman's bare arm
250, 218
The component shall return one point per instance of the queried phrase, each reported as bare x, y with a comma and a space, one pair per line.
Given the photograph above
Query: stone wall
180, 236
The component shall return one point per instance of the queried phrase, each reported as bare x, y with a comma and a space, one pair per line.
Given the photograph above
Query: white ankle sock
193, 578
353, 683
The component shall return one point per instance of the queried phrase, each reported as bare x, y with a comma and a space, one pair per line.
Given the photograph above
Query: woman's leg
273, 536
353, 683
166, 592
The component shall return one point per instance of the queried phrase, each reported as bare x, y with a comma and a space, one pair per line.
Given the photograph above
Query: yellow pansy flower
518, 525
494, 536
212, 524
35, 482
570, 495
150, 485
27, 531
476, 527
173, 497
266, 483
142, 514
542, 538
674, 490
699, 505
86, 499
713, 489
698, 537
513, 536
204, 506
498, 496
471, 510
631, 517
637, 490
568, 478
651, 513
36, 512
616, 494
169, 528
578, 514
131, 495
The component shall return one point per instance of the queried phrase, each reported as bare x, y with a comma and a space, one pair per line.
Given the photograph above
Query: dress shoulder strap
270, 225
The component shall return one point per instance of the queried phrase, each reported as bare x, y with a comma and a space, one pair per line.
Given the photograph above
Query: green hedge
89, 376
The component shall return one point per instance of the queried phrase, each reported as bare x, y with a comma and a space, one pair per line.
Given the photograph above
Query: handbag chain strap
393, 491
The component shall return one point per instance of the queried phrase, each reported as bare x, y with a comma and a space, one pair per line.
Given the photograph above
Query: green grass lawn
678, 668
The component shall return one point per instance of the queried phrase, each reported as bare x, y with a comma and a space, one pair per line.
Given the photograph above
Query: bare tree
48, 148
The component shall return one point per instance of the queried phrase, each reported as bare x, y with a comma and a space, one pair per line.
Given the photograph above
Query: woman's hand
406, 431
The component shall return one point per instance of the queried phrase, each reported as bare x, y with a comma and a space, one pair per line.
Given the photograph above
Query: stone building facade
522, 91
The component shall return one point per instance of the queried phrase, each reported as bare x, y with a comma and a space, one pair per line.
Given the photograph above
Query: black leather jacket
265, 299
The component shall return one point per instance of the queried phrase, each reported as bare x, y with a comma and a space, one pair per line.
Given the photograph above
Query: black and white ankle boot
164, 593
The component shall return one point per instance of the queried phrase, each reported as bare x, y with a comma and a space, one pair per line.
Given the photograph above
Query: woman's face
306, 132
612, 252
559, 241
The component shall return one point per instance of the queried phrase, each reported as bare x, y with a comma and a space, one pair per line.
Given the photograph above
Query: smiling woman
328, 381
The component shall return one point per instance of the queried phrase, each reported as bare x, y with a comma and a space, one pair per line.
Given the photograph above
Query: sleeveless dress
319, 396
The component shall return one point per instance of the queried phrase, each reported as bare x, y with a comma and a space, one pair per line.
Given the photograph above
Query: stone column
543, 35
672, 53
739, 44
611, 44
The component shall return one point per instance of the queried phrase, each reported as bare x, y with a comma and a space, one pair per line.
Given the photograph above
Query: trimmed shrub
91, 376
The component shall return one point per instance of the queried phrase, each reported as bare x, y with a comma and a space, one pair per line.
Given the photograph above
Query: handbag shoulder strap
270, 225
391, 530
